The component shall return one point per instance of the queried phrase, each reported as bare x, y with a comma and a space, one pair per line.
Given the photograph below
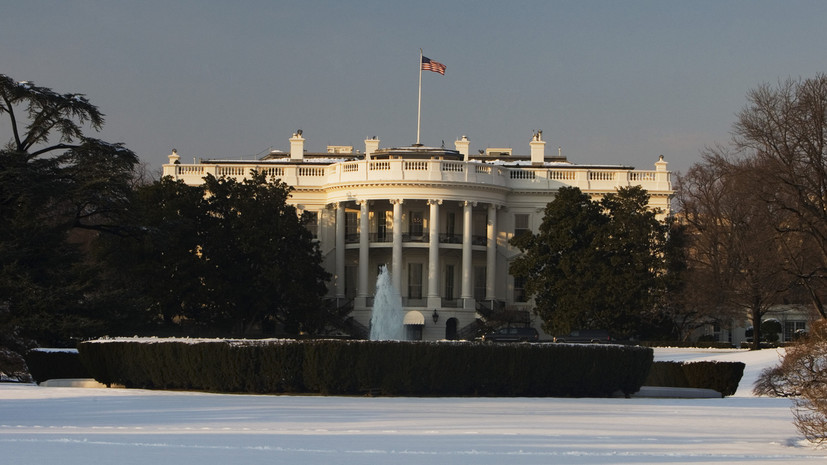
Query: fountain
386, 318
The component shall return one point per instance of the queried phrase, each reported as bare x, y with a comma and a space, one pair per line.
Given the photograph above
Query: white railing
522, 174
641, 176
399, 170
561, 175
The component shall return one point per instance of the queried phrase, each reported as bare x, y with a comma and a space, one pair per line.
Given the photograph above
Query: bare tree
734, 265
784, 128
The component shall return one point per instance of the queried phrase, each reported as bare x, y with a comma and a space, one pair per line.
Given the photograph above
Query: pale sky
614, 82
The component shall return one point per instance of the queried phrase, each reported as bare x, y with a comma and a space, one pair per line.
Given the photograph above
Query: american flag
431, 65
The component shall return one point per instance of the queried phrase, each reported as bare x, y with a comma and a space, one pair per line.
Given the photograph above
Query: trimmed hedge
719, 376
335, 367
55, 364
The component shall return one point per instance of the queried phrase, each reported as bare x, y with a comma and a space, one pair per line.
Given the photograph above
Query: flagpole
419, 104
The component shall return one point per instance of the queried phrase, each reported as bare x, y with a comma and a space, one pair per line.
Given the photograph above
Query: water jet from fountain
386, 317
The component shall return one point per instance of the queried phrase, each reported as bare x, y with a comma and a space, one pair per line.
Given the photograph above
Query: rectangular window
519, 290
479, 283
790, 328
449, 282
415, 228
414, 280
312, 222
521, 224
350, 281
351, 225
382, 226
451, 224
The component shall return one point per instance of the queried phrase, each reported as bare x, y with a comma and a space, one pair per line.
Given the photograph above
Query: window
449, 282
519, 290
414, 280
351, 224
415, 228
382, 226
350, 281
790, 328
479, 283
413, 332
311, 222
451, 224
521, 224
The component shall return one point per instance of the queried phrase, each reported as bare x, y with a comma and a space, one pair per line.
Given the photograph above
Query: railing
642, 176
415, 165
602, 175
310, 171
446, 238
380, 237
183, 170
562, 175
350, 167
276, 171
521, 174
415, 237
505, 177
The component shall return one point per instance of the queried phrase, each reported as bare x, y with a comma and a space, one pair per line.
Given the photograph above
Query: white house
440, 219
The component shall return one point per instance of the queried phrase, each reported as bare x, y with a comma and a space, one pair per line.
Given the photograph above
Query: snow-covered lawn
41, 425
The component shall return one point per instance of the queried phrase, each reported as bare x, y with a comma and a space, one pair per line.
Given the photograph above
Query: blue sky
616, 82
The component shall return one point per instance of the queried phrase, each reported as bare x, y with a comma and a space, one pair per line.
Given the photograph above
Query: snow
97, 425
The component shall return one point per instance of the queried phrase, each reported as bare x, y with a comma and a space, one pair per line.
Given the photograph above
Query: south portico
442, 255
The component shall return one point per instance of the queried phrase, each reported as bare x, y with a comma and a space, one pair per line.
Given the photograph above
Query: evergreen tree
225, 258
58, 190
594, 264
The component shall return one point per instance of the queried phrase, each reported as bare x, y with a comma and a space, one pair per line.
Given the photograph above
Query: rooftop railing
522, 177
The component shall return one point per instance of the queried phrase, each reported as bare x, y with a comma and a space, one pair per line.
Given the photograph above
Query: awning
414, 318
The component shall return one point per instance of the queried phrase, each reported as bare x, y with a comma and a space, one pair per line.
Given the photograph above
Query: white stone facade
440, 219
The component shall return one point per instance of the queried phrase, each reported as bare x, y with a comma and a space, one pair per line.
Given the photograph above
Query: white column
396, 254
364, 229
491, 253
433, 255
466, 293
340, 250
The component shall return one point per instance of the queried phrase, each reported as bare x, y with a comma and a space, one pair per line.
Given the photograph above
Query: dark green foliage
333, 367
594, 265
719, 376
58, 191
45, 365
225, 258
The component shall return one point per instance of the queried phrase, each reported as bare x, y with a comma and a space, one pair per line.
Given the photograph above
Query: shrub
334, 367
802, 374
13, 367
55, 364
719, 376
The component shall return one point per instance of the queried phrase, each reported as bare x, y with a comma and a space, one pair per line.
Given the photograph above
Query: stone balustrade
526, 177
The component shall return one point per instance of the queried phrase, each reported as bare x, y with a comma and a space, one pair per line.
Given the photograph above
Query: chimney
662, 176
371, 145
538, 149
462, 146
174, 159
297, 146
